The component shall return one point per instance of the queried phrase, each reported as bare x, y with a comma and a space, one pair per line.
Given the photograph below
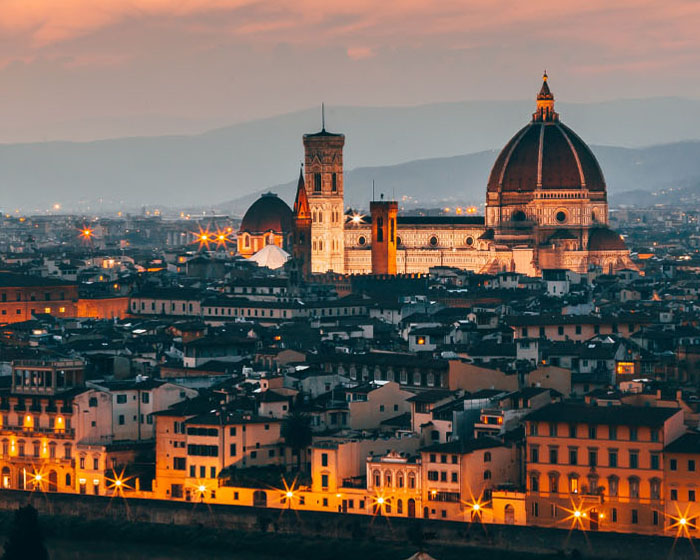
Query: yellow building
37, 432
600, 467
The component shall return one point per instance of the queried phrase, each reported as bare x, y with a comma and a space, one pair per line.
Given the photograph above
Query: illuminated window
47, 310
61, 309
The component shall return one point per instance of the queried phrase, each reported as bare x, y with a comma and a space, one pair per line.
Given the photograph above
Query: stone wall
352, 527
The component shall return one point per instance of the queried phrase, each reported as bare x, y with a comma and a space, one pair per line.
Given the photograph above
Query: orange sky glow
199, 60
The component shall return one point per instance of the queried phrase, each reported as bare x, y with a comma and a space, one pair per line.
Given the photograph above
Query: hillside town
144, 357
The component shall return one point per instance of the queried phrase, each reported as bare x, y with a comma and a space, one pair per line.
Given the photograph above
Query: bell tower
384, 214
323, 165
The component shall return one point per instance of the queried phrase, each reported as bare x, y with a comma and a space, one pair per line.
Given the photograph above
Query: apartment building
606, 462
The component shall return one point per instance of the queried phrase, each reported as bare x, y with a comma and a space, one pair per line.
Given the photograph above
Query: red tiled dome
604, 239
268, 213
547, 155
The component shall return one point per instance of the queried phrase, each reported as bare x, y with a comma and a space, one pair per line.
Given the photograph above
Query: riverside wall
314, 524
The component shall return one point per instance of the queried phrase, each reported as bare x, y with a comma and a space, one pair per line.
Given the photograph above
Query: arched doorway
411, 507
259, 499
53, 481
509, 515
426, 512
6, 480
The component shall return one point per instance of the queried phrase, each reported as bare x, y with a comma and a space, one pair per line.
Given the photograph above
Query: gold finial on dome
545, 103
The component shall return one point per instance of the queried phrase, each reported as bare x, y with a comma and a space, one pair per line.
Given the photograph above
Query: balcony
21, 431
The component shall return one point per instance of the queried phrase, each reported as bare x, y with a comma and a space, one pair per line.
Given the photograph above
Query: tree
25, 541
296, 431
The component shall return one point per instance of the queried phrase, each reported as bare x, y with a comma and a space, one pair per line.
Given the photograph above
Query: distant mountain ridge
461, 180
232, 162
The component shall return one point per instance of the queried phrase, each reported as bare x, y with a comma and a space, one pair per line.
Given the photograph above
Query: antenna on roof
323, 117
372, 190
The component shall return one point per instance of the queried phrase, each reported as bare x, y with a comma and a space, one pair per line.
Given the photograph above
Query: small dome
604, 239
268, 213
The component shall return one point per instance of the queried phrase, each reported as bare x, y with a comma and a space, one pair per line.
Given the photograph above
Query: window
487, 457
433, 476
324, 459
634, 517
334, 183
654, 461
612, 458
487, 475
691, 495
613, 486
324, 480
553, 483
454, 477
552, 430
573, 456
121, 399
612, 432
634, 487
674, 494
179, 463
592, 432
655, 489
317, 182
553, 455
633, 433
443, 476
634, 459
95, 464
232, 450
691, 465
121, 419
573, 484
592, 457
673, 464
534, 454
145, 398
572, 430
533, 428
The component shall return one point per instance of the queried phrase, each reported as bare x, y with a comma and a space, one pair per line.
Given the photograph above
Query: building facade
546, 207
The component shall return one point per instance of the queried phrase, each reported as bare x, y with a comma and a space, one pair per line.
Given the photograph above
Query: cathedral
546, 207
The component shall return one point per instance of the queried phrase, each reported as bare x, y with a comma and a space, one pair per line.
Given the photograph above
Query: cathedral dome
605, 239
268, 213
546, 155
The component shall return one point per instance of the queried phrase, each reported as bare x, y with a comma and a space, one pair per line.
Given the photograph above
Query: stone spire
301, 202
545, 104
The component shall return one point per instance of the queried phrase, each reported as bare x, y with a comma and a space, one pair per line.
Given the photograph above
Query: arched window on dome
519, 216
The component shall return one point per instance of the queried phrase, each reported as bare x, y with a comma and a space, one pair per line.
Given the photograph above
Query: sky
85, 69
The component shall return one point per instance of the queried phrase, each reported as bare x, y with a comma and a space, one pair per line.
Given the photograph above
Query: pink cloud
358, 53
